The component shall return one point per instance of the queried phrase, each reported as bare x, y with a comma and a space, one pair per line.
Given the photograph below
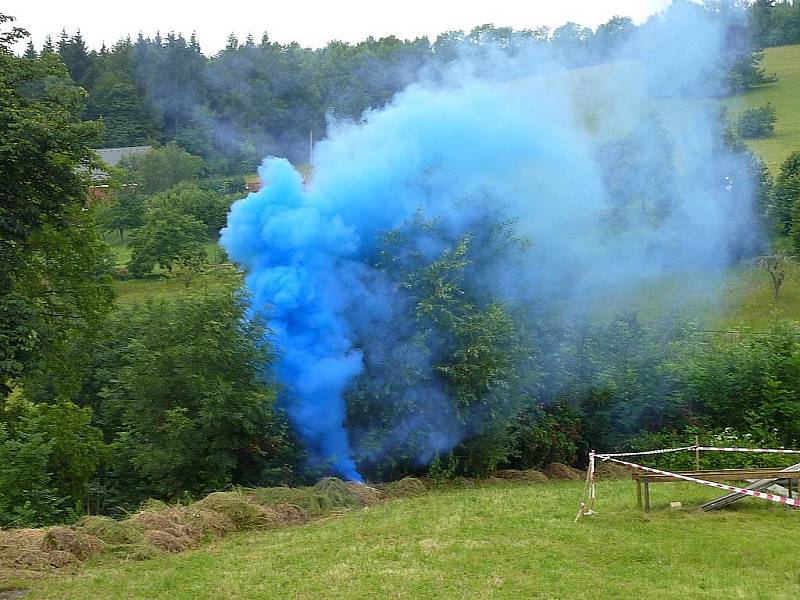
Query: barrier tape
721, 486
706, 448
757, 450
647, 452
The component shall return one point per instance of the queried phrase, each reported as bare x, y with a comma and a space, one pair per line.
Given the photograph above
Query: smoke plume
544, 147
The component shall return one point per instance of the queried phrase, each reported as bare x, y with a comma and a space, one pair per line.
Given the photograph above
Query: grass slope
784, 94
505, 541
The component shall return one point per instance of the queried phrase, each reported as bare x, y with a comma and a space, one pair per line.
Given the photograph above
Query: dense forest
105, 403
257, 98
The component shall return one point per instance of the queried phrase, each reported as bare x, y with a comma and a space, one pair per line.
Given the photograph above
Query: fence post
697, 452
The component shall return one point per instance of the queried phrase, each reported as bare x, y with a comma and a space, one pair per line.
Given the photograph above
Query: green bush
749, 385
167, 237
49, 455
685, 460
178, 388
544, 436
757, 122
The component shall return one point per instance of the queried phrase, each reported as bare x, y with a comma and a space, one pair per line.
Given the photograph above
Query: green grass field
784, 94
505, 541
122, 253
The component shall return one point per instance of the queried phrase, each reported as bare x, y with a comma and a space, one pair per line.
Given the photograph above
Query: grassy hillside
784, 94
507, 541
741, 297
746, 299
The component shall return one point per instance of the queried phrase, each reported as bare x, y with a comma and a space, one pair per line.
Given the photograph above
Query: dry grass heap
159, 528
609, 470
528, 475
405, 488
337, 492
561, 471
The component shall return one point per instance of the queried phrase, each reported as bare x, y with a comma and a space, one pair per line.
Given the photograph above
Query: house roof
112, 156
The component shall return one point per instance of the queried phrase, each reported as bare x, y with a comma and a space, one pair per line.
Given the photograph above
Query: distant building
111, 156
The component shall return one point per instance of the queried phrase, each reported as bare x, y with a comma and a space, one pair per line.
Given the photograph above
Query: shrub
168, 236
49, 453
543, 436
757, 122
183, 400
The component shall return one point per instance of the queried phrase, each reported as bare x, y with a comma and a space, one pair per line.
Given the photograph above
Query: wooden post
639, 493
646, 496
697, 452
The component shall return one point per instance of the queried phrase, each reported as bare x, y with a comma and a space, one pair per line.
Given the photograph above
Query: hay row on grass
161, 528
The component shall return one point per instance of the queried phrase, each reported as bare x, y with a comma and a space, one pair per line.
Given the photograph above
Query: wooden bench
643, 480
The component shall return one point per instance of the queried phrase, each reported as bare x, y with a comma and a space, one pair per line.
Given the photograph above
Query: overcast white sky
311, 22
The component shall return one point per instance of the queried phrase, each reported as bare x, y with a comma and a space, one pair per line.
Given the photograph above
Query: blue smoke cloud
451, 149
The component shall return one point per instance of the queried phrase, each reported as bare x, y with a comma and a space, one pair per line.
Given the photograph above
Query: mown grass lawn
784, 94
122, 253
154, 286
508, 541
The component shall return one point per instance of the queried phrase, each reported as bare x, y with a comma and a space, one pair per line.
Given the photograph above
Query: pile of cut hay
609, 470
561, 471
338, 493
528, 475
405, 488
159, 528
312, 502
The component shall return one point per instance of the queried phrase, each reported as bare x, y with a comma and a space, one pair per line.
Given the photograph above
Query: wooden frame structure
757, 479
643, 480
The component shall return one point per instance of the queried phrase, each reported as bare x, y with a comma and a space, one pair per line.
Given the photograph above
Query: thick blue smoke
450, 150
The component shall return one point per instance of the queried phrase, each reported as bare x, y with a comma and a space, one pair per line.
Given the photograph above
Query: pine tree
30, 51
47, 47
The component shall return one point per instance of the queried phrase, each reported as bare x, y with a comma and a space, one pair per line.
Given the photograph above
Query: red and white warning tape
705, 448
721, 486
757, 450
664, 451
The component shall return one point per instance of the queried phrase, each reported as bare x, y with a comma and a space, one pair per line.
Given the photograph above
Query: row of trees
103, 405
775, 22
257, 98
783, 203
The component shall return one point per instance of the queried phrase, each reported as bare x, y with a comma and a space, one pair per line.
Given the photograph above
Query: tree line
257, 97
775, 22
